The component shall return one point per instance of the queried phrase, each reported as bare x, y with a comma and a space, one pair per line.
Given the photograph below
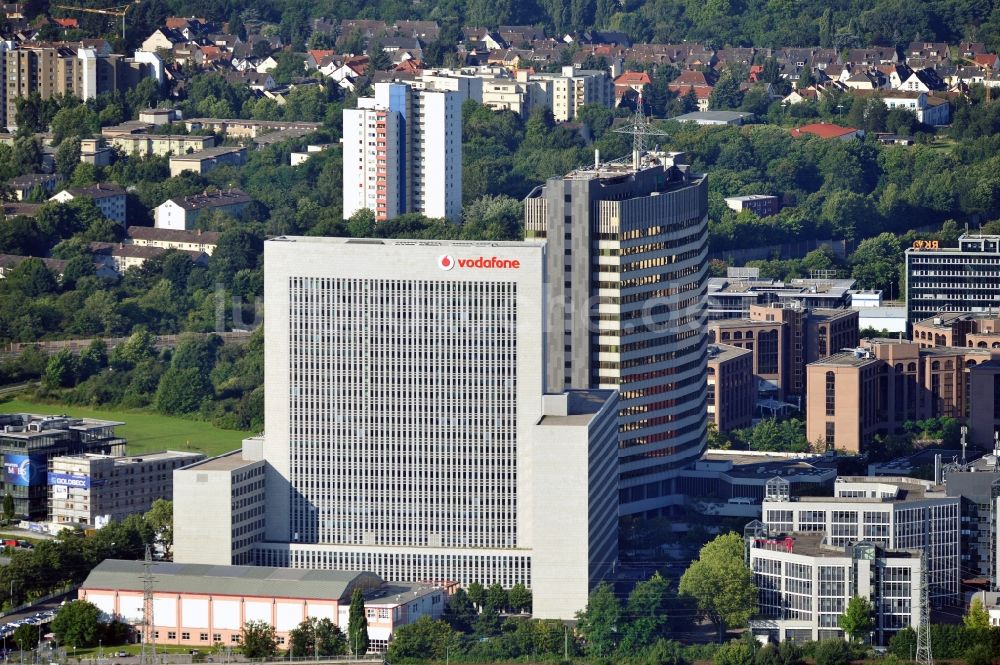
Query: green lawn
146, 432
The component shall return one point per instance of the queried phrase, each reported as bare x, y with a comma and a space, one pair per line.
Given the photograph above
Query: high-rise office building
953, 279
408, 431
403, 153
626, 263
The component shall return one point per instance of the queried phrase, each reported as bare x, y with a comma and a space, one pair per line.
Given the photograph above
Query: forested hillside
839, 23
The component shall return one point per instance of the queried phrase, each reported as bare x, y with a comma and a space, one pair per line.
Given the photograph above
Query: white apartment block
408, 431
894, 513
567, 91
804, 585
403, 153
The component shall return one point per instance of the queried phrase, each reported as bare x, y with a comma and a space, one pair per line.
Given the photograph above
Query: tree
727, 93
721, 583
425, 638
160, 518
182, 391
317, 637
648, 608
68, 157
77, 624
357, 625
736, 652
477, 594
379, 60
8, 506
977, 616
980, 654
237, 250
857, 618
290, 65
60, 372
496, 598
32, 278
257, 640
875, 263
26, 637
832, 652
598, 622
460, 613
519, 598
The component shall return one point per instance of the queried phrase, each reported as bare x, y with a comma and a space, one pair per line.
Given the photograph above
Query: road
40, 607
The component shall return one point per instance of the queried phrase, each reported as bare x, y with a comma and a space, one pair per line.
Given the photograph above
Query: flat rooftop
724, 352
847, 359
228, 462
805, 288
814, 544
130, 459
580, 407
208, 153
764, 466
389, 242
30, 425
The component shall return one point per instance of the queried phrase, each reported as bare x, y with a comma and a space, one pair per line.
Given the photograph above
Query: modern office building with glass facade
894, 513
953, 279
627, 269
804, 585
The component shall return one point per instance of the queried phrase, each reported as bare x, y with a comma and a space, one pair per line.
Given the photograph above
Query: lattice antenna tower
640, 128
148, 654
924, 655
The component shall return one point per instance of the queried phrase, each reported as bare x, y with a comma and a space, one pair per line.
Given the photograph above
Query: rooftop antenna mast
639, 127
148, 654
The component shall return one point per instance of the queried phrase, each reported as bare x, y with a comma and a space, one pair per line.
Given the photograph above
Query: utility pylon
639, 128
924, 655
148, 654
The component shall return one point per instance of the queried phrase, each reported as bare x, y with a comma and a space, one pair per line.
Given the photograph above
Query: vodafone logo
447, 262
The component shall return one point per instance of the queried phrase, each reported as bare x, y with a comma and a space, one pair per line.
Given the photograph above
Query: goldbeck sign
448, 262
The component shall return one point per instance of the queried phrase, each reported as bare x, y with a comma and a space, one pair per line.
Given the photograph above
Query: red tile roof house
825, 131
630, 85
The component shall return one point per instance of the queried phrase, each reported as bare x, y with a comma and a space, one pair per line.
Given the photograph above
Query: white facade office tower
408, 431
804, 585
403, 153
627, 257
895, 513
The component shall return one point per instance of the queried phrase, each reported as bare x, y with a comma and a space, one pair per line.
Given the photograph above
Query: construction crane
121, 11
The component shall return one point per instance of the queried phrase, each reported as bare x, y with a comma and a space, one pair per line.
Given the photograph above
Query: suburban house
929, 110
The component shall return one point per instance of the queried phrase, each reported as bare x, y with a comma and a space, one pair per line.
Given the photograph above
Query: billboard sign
24, 470
69, 480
